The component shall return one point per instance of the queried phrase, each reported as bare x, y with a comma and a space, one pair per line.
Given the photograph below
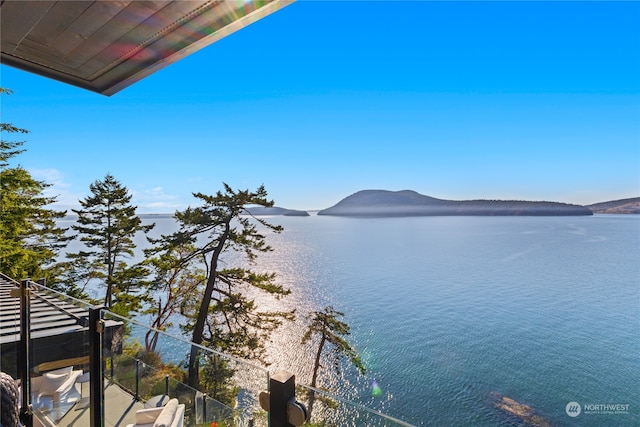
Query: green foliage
75, 274
222, 316
177, 284
331, 330
216, 379
327, 328
107, 224
152, 371
30, 240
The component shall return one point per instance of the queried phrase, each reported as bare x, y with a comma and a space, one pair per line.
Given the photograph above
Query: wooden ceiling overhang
105, 46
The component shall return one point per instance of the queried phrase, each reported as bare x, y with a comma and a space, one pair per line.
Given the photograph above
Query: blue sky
456, 100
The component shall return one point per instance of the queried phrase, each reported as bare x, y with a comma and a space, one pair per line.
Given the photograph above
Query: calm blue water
446, 311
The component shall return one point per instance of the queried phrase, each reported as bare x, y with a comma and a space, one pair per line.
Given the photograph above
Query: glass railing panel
150, 365
127, 382
59, 355
231, 394
330, 410
145, 368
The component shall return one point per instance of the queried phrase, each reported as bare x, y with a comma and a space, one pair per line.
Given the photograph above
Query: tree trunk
198, 330
151, 337
314, 378
203, 311
110, 268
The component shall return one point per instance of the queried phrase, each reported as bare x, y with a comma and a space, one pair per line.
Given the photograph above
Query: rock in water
519, 410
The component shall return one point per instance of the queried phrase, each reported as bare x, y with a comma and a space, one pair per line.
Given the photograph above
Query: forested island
372, 203
261, 210
623, 206
382, 203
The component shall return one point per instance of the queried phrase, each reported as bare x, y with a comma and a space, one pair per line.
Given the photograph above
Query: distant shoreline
381, 203
629, 206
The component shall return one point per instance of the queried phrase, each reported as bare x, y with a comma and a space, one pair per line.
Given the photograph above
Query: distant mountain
374, 203
623, 206
261, 210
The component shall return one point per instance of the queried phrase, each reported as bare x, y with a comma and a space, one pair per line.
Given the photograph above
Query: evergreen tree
173, 281
107, 224
30, 240
328, 329
223, 316
216, 379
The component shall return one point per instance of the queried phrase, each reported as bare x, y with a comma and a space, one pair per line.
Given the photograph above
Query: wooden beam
63, 363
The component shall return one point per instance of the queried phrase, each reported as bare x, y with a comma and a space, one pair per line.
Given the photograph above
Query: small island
261, 211
384, 203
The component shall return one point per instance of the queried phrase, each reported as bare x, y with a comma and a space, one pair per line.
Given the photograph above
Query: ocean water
449, 312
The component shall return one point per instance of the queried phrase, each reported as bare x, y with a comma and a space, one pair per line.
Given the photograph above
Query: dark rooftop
49, 315
58, 328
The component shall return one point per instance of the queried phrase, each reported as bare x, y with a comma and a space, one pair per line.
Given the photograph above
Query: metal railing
105, 353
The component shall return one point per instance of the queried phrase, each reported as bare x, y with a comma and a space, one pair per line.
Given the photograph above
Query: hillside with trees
623, 206
275, 210
373, 203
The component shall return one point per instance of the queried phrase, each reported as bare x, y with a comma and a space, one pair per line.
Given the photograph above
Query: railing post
166, 385
280, 401
137, 396
26, 414
96, 327
282, 387
204, 408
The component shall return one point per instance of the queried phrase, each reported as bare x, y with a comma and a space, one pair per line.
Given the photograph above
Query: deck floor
119, 409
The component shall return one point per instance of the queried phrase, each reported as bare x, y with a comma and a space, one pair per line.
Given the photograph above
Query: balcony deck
152, 374
119, 409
